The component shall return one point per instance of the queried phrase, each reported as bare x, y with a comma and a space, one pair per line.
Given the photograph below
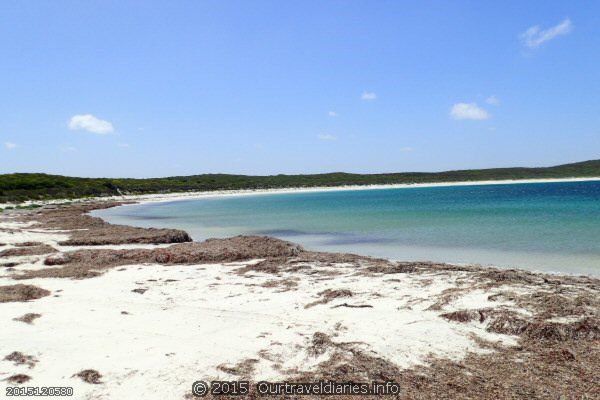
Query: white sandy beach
201, 321
167, 197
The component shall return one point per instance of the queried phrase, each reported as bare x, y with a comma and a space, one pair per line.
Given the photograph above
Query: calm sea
539, 226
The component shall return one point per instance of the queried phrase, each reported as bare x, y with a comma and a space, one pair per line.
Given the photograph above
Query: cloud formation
534, 36
90, 123
10, 145
368, 96
326, 136
332, 114
468, 111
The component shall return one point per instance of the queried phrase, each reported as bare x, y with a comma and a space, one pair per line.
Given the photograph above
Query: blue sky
143, 88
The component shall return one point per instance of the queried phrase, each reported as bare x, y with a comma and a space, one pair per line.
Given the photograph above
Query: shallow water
537, 226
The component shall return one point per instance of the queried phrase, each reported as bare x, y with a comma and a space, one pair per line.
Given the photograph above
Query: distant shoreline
22, 187
181, 196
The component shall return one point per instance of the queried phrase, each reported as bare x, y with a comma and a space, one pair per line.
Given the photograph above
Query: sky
148, 88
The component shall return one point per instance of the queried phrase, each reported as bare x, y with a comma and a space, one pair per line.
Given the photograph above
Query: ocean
552, 227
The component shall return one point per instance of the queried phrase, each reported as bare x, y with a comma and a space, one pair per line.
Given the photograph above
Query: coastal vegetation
19, 187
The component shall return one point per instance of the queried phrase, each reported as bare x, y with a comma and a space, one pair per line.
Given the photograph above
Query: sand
167, 197
148, 330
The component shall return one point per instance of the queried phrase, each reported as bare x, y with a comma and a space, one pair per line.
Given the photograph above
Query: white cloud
10, 145
332, 114
468, 111
406, 149
534, 36
493, 100
326, 136
67, 148
90, 123
123, 145
368, 96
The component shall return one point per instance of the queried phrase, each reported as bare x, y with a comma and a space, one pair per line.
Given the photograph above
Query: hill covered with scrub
20, 186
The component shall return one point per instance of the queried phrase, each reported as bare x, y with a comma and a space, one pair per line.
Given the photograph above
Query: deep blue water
540, 226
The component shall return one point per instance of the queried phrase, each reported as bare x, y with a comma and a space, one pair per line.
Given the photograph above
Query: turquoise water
540, 226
